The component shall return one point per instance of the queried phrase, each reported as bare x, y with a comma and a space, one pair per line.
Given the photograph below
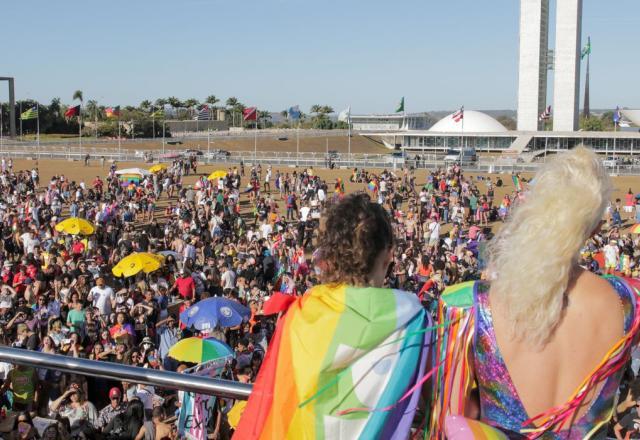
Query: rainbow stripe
340, 357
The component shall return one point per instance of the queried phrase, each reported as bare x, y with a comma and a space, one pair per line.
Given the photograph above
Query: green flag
32, 113
587, 49
400, 106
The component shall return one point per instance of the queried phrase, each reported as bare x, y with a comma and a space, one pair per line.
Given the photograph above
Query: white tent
139, 171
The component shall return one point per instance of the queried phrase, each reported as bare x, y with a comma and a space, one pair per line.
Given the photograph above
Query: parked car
193, 152
396, 157
466, 156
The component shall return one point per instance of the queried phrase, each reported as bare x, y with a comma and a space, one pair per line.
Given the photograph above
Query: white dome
474, 122
632, 115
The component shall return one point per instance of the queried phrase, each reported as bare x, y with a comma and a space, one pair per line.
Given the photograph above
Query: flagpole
208, 144
80, 127
163, 136
119, 140
255, 140
21, 138
1, 127
37, 130
349, 132
153, 119
298, 143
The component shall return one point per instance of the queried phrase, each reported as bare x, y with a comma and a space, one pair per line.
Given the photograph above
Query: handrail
127, 373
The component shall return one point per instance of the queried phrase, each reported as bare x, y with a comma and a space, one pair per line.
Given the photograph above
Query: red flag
72, 111
279, 302
250, 114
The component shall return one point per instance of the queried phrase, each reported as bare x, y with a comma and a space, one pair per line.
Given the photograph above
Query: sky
274, 54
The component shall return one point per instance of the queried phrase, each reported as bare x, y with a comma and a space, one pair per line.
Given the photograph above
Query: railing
127, 373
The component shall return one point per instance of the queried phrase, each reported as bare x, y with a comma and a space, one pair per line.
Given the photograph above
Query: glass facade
627, 145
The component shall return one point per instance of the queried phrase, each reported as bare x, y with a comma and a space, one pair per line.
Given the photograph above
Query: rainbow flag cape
344, 363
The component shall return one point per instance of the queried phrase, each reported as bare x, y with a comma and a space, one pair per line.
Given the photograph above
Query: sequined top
500, 404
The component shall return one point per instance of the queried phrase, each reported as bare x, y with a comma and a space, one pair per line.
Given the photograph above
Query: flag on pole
400, 107
459, 115
546, 114
345, 115
294, 112
112, 112
587, 49
32, 113
72, 111
203, 114
616, 116
250, 114
158, 114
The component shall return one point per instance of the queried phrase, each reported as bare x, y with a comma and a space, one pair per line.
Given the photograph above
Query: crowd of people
245, 235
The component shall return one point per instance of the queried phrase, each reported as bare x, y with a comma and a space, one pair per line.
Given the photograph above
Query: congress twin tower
536, 59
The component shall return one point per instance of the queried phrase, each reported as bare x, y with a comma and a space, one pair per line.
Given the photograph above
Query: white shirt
229, 279
321, 195
304, 213
434, 227
102, 297
29, 242
265, 230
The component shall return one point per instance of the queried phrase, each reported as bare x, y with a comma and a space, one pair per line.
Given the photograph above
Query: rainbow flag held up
344, 363
516, 182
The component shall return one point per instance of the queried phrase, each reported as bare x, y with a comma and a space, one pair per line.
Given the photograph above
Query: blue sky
277, 53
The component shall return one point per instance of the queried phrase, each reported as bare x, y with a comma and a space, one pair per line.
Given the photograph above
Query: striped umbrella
197, 351
635, 229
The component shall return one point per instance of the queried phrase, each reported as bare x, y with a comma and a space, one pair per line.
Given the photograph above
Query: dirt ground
359, 144
76, 170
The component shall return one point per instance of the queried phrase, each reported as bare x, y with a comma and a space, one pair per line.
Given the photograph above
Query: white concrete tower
566, 93
532, 71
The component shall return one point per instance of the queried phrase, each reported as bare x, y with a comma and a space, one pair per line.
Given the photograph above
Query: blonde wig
534, 255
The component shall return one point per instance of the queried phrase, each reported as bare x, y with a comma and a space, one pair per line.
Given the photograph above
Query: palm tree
92, 109
284, 113
212, 100
175, 103
145, 105
191, 103
264, 116
78, 95
233, 103
327, 110
315, 108
161, 102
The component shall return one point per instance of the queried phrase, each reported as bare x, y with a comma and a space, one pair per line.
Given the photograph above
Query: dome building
474, 122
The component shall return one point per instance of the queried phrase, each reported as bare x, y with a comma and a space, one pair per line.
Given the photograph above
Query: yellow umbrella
157, 168
75, 226
136, 262
217, 175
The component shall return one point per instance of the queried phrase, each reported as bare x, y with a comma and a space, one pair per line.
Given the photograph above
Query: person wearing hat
114, 408
169, 335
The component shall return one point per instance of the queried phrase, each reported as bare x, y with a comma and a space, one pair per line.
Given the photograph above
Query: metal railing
127, 373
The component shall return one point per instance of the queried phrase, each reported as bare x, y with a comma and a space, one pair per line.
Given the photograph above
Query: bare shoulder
594, 301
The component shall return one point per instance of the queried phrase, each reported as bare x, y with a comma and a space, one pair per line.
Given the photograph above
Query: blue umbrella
211, 312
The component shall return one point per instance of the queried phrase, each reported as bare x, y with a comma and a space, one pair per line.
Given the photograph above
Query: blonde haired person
548, 340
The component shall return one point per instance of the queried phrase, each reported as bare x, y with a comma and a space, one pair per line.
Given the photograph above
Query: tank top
500, 405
